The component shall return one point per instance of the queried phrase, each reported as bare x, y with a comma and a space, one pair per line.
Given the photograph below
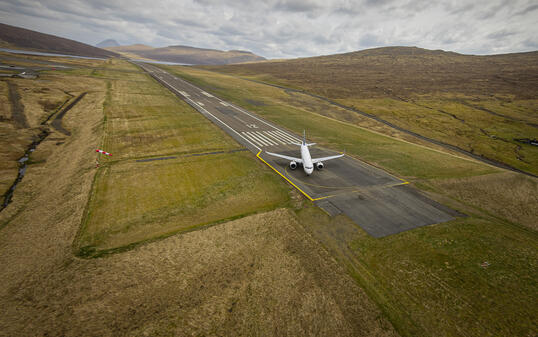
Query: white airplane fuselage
308, 166
306, 160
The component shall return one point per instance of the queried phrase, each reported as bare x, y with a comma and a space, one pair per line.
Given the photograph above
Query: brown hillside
188, 55
401, 71
16, 37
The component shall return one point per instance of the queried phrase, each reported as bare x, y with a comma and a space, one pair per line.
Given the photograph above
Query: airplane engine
293, 165
319, 165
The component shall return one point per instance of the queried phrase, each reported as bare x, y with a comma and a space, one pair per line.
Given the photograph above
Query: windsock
103, 152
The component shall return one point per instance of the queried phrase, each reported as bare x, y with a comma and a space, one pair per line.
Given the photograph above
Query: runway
377, 201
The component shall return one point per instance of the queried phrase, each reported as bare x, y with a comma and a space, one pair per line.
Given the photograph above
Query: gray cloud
527, 10
287, 28
499, 35
297, 5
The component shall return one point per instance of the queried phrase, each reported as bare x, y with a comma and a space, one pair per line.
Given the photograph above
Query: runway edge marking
289, 181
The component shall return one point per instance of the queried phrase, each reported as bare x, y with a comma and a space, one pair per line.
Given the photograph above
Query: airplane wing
317, 160
297, 160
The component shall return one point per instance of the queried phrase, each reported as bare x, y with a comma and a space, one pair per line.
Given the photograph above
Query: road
377, 201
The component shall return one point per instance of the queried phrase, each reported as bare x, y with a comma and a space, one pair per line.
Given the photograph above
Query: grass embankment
134, 202
480, 104
429, 281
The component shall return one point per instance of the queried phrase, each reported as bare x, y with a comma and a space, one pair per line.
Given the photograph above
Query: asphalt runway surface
377, 201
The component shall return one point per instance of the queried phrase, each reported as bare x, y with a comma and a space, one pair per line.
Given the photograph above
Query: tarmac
377, 201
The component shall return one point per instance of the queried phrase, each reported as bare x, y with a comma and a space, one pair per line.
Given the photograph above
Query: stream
22, 168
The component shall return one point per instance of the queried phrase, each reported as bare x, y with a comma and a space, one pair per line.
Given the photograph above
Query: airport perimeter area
377, 201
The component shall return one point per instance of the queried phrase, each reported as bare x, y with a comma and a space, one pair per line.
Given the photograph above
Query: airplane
306, 160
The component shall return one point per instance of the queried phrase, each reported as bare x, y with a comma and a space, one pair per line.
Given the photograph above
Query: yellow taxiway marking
320, 198
289, 181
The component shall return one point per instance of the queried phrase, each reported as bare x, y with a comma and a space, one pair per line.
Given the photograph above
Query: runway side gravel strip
378, 202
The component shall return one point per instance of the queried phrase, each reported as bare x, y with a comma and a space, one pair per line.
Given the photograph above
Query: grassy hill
20, 38
403, 72
479, 104
187, 55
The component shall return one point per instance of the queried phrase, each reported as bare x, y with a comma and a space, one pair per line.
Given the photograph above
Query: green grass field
137, 201
144, 119
134, 202
462, 122
428, 281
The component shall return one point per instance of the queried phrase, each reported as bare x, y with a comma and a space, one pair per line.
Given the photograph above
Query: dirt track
57, 122
17, 109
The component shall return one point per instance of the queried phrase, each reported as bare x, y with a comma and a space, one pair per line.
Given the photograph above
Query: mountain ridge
107, 43
187, 54
22, 38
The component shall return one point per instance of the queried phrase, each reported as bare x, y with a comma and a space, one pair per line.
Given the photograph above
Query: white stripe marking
267, 139
223, 103
254, 140
184, 94
278, 137
295, 139
200, 103
259, 139
260, 136
286, 136
207, 94
272, 137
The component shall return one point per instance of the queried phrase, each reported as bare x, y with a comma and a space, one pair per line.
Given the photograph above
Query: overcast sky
288, 28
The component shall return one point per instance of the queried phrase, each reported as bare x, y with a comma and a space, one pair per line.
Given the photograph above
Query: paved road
378, 202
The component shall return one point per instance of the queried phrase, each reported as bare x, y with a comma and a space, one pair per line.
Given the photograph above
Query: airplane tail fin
304, 140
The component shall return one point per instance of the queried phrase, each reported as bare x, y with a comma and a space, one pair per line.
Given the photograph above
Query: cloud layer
288, 28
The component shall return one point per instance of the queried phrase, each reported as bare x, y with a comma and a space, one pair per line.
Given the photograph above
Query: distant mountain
187, 55
107, 43
20, 38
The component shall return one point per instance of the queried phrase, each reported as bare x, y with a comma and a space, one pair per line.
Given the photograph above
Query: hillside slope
402, 71
486, 106
20, 38
188, 55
